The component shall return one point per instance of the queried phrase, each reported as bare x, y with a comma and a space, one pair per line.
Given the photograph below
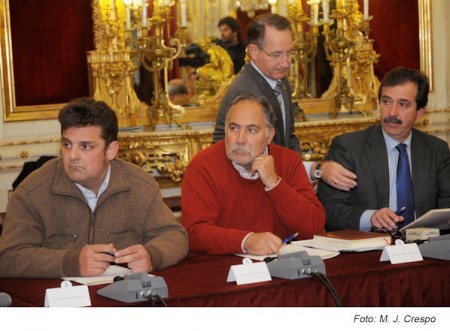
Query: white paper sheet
106, 278
296, 246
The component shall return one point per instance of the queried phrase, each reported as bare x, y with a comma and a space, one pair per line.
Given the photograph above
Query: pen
400, 211
289, 238
111, 242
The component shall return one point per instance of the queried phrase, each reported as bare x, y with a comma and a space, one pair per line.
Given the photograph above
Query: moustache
392, 119
240, 148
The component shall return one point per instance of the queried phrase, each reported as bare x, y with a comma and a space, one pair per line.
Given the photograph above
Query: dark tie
278, 91
279, 88
405, 193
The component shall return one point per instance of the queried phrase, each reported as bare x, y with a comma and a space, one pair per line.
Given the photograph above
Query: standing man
271, 49
77, 214
377, 155
244, 194
231, 40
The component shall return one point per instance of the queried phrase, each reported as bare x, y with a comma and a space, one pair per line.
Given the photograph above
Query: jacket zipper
91, 228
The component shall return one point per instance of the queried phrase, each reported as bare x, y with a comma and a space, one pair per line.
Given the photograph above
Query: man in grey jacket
271, 50
79, 213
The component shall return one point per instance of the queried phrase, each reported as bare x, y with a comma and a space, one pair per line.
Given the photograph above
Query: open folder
435, 218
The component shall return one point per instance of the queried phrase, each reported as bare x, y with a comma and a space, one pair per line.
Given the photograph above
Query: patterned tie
278, 92
279, 88
405, 193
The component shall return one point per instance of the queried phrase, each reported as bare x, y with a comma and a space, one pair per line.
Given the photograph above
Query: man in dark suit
374, 156
271, 50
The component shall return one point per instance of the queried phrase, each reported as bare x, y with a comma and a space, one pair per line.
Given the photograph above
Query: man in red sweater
244, 194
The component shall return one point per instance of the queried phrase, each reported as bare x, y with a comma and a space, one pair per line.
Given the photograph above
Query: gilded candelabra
125, 39
111, 65
305, 44
350, 52
157, 57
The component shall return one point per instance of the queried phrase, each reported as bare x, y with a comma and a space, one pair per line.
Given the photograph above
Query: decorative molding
167, 153
426, 50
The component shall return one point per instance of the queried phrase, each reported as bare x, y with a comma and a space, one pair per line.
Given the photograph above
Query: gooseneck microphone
5, 300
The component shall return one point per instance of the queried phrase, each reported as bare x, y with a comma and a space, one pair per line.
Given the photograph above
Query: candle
144, 12
299, 6
128, 18
113, 9
183, 12
316, 13
366, 9
326, 9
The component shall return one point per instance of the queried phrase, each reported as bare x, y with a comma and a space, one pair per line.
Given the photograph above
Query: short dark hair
177, 89
402, 75
232, 23
86, 111
257, 27
269, 115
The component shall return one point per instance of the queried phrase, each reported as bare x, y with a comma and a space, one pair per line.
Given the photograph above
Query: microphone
136, 287
5, 300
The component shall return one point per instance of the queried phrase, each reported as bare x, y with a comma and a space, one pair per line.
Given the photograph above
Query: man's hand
337, 176
263, 243
385, 218
94, 259
265, 167
136, 257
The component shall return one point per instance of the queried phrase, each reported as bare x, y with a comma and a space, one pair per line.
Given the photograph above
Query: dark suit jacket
364, 152
249, 80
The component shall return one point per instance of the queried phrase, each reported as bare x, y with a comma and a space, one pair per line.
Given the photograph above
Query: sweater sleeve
200, 204
295, 202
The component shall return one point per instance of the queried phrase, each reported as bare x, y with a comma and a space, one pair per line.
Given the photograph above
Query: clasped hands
95, 259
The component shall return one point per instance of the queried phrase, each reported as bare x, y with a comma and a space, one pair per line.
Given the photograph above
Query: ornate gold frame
12, 112
426, 51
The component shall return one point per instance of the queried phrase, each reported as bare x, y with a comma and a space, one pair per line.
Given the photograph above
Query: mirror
24, 70
40, 72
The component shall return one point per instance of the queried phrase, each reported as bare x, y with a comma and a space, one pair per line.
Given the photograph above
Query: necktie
405, 193
279, 88
278, 91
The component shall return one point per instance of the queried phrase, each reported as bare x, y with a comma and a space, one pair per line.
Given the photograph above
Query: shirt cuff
308, 165
364, 221
271, 188
243, 242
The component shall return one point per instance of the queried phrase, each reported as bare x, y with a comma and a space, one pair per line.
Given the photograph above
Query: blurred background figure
178, 92
231, 40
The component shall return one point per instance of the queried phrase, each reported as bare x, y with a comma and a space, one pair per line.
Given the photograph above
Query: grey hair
269, 115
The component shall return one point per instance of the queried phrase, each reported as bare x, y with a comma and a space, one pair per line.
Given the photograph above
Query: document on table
330, 247
105, 278
295, 246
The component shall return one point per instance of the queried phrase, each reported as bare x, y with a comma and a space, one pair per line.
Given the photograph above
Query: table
359, 279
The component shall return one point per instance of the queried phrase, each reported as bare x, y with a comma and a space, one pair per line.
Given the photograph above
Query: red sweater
219, 207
